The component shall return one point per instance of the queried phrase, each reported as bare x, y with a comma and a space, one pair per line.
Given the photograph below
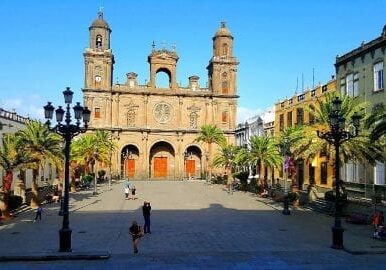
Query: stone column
146, 156
145, 102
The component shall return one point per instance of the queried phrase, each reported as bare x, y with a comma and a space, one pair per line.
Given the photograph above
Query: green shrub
101, 173
87, 178
14, 202
292, 196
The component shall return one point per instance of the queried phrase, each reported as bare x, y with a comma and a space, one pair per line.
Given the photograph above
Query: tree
42, 146
11, 158
226, 158
359, 148
91, 148
210, 134
376, 122
264, 152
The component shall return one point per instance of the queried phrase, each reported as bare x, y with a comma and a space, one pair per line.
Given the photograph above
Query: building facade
295, 111
155, 128
360, 74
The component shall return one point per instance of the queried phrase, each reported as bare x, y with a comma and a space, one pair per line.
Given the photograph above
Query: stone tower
222, 68
98, 57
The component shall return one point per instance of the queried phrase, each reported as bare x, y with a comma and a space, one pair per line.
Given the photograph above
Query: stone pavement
194, 226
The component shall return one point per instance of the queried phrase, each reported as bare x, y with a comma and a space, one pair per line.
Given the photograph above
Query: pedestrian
378, 219
133, 192
39, 212
136, 233
126, 188
146, 209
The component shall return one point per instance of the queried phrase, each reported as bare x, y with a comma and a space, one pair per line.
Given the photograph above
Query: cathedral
155, 127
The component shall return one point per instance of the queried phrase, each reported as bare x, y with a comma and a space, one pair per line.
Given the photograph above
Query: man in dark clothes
146, 208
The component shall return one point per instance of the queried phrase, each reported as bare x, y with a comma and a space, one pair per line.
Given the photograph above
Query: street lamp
67, 131
95, 155
336, 136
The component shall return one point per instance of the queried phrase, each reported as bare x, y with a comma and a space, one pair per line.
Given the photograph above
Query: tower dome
223, 31
100, 22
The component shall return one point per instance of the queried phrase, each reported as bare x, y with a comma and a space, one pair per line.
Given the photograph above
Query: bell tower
98, 57
222, 68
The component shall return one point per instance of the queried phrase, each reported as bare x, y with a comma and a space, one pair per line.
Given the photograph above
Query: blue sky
275, 41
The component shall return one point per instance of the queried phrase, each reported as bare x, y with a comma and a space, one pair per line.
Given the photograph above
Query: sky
276, 42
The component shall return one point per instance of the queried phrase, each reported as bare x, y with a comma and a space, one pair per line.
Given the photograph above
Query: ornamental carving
162, 112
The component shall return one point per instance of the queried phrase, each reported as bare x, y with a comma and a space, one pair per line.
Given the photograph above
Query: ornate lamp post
336, 136
67, 131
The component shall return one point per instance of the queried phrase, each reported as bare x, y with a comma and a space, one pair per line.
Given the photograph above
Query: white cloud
244, 113
30, 107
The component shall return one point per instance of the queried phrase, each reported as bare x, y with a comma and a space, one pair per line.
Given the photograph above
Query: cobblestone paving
194, 226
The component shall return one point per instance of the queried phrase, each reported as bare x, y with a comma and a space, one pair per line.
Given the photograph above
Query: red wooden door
130, 167
190, 167
160, 167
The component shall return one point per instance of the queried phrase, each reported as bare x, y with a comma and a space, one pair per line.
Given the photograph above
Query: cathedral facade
155, 128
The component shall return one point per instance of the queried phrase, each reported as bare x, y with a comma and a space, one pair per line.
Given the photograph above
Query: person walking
133, 189
136, 233
39, 212
146, 209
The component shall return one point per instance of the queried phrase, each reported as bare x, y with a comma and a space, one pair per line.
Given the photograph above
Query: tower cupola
100, 34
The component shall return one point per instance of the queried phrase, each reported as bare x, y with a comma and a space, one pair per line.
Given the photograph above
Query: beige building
155, 128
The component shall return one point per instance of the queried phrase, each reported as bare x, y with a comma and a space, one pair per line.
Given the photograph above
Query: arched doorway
129, 160
163, 78
192, 162
162, 161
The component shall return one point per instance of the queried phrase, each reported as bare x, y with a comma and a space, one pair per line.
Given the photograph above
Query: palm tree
264, 152
11, 158
42, 146
359, 148
377, 123
226, 158
92, 148
210, 134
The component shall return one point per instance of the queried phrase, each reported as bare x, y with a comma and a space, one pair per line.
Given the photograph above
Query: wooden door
130, 167
190, 167
160, 167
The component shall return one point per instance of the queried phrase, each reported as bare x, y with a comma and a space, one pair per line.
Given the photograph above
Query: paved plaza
194, 226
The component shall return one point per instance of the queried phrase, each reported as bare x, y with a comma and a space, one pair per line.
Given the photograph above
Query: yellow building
295, 111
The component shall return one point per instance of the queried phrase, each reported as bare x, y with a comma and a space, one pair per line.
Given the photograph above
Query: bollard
286, 210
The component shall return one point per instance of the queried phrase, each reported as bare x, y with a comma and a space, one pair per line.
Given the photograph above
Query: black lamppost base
337, 237
65, 240
286, 210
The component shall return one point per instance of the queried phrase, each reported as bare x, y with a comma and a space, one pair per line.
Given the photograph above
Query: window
224, 117
349, 84
281, 122
311, 116
356, 85
343, 86
98, 42
290, 101
224, 87
97, 113
299, 116
289, 119
313, 93
378, 76
352, 172
225, 49
301, 97
323, 173
324, 88
282, 105
379, 173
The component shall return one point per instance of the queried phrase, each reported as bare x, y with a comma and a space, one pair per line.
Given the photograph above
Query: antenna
313, 78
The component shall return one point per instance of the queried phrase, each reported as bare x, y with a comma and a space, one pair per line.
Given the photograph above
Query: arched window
224, 117
224, 87
98, 41
224, 49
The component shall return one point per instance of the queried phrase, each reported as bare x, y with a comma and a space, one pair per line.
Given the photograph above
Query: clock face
98, 78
